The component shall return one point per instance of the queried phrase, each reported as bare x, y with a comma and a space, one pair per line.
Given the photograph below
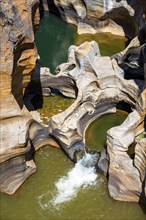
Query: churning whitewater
82, 175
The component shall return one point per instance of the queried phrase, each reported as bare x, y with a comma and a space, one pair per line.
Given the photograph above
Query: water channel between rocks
90, 201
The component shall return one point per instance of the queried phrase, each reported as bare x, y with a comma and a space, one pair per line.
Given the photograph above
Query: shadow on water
34, 91
53, 39
37, 101
41, 8
48, 5
52, 7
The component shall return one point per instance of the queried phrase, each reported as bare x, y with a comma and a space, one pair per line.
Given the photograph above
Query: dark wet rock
103, 163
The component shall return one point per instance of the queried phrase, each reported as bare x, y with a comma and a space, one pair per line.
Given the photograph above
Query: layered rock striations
99, 84
127, 175
18, 58
120, 17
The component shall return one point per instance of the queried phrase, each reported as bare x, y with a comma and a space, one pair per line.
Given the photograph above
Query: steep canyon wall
18, 21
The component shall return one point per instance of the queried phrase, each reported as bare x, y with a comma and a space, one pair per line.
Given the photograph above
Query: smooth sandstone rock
97, 82
120, 17
125, 180
18, 58
21, 134
100, 85
91, 78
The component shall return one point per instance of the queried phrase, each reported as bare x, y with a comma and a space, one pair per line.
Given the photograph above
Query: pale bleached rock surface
122, 17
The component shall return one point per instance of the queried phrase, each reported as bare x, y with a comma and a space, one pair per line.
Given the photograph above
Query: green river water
32, 200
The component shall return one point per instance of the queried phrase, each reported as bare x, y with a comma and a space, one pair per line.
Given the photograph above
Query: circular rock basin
95, 135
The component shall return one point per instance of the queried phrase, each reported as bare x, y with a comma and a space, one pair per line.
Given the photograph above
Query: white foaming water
81, 176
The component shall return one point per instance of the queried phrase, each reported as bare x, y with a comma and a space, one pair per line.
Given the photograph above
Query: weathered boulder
120, 17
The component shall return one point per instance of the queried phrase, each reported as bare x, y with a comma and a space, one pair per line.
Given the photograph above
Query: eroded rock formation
121, 17
91, 77
100, 85
18, 20
127, 175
